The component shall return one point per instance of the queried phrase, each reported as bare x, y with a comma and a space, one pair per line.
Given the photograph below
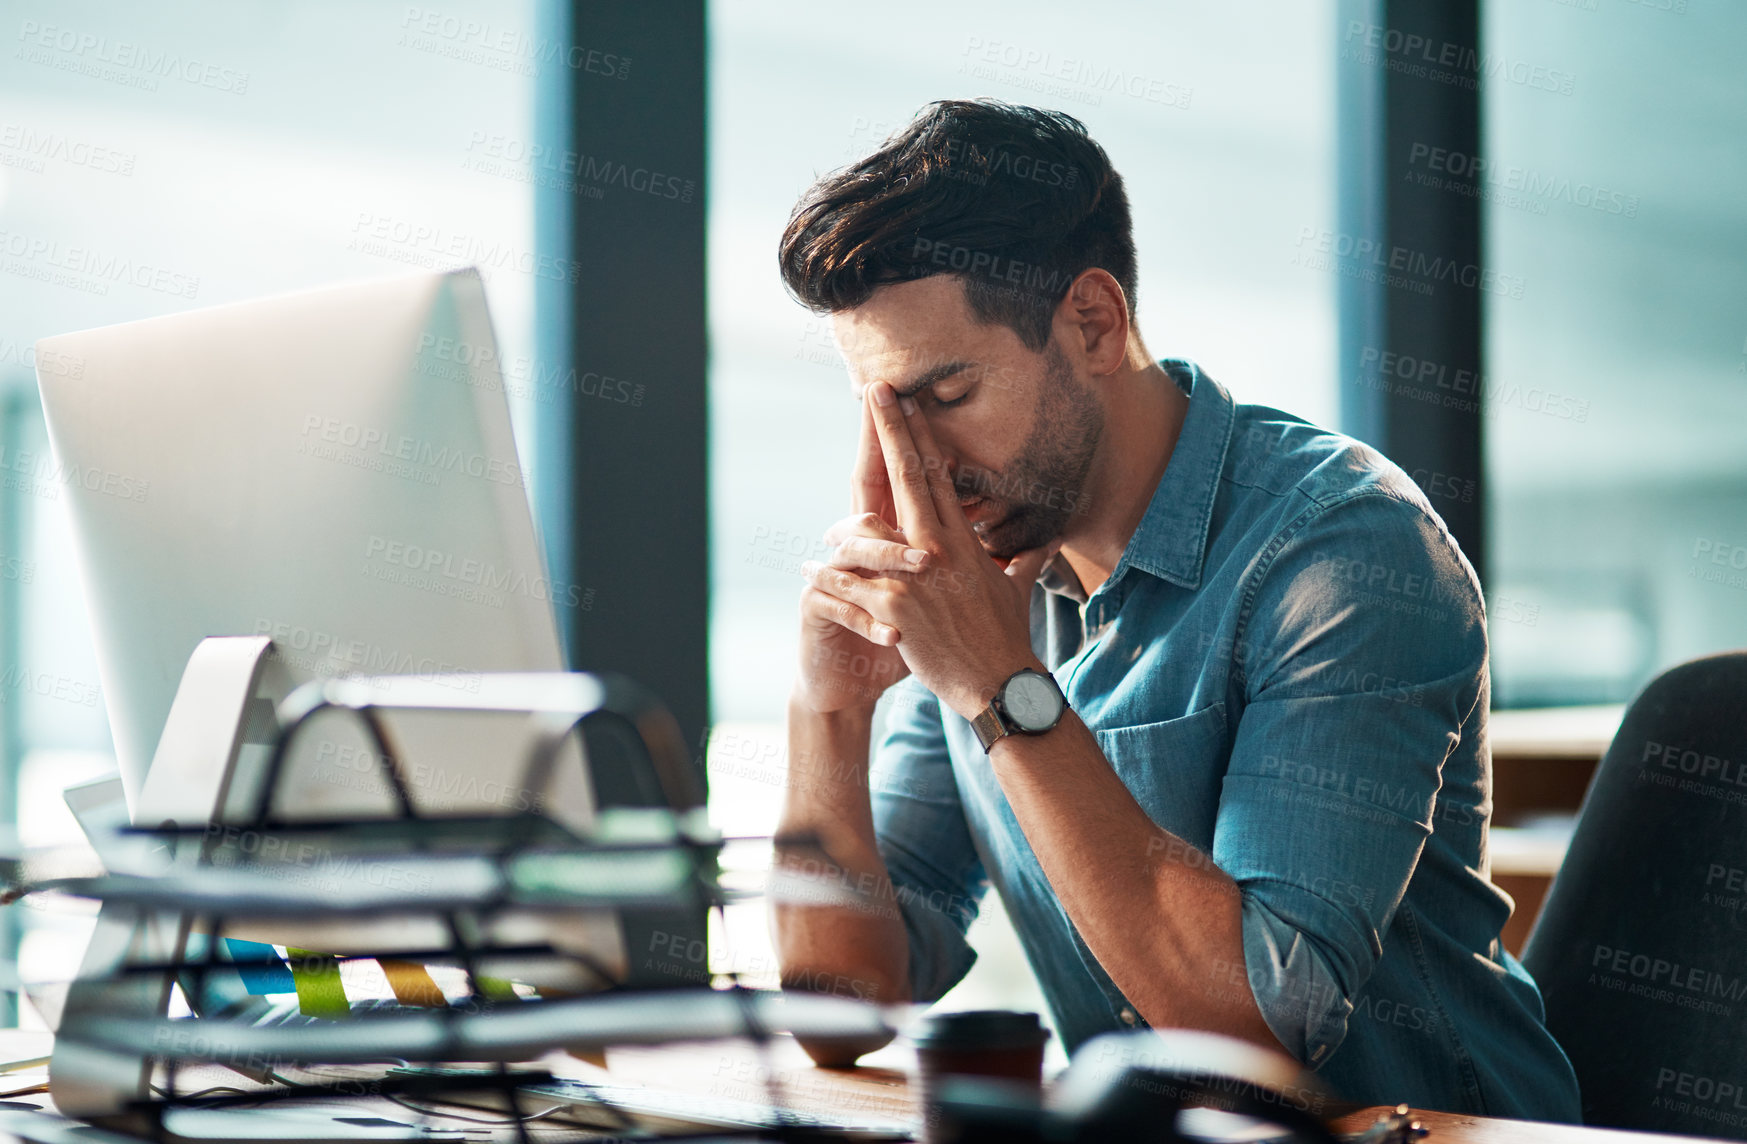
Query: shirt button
1127, 1015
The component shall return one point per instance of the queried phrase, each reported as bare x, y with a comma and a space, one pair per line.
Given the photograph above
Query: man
1199, 688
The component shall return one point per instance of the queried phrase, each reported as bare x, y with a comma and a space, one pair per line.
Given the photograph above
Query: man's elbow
871, 987
842, 1052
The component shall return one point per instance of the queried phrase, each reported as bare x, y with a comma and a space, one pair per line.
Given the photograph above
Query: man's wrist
861, 709
826, 749
844, 721
975, 699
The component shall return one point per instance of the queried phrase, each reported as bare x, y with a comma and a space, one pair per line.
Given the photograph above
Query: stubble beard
1046, 484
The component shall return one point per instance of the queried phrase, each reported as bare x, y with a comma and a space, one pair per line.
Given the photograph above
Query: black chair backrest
1641, 948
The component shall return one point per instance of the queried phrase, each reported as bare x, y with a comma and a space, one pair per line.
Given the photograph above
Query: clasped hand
908, 586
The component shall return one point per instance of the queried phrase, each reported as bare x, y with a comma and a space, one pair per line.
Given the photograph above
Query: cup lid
979, 1028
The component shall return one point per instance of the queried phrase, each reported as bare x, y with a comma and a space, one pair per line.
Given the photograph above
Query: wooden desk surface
738, 1072
879, 1088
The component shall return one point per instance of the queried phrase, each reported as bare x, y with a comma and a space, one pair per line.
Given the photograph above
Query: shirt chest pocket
1174, 769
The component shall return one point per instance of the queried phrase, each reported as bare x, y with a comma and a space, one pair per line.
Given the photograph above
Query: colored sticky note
260, 966
412, 983
320, 993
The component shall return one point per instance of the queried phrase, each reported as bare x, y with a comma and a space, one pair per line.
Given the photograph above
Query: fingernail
915, 555
882, 393
907, 404
809, 567
888, 636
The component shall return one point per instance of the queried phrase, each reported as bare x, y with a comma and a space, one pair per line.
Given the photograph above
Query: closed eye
959, 400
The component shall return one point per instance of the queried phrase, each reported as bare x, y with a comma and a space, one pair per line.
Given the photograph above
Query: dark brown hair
1014, 201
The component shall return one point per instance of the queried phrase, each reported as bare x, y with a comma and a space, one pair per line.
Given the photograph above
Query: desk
736, 1071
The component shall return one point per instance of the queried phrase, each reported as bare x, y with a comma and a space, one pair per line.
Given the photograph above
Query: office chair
1641, 948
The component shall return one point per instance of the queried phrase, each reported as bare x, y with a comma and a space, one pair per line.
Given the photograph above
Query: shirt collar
1171, 540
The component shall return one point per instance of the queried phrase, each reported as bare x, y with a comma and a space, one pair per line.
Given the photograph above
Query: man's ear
1095, 316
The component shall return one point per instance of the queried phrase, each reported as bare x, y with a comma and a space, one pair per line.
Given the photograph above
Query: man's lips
976, 510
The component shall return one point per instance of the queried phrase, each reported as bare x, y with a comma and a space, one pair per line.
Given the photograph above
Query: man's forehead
892, 362
900, 358
904, 312
870, 351
874, 335
907, 372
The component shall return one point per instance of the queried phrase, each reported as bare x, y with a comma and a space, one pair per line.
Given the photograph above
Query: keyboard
665, 1110
594, 1104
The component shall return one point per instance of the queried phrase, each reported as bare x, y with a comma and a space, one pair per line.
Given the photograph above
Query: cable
168, 1094
411, 1107
407, 1104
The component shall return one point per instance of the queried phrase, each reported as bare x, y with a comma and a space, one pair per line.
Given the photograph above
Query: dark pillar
1408, 246
623, 450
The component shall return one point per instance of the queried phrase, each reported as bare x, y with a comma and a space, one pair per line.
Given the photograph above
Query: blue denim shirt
1288, 670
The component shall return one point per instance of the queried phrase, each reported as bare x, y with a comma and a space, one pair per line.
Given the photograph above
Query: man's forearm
1162, 920
860, 951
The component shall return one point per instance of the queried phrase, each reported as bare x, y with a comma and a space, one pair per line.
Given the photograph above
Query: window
1616, 386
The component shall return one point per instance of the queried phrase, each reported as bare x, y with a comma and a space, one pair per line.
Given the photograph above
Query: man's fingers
846, 586
1026, 567
877, 555
940, 485
823, 608
904, 472
869, 490
862, 524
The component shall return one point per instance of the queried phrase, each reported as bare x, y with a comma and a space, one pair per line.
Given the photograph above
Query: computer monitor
333, 468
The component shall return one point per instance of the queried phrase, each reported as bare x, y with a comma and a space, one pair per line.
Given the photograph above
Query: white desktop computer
333, 471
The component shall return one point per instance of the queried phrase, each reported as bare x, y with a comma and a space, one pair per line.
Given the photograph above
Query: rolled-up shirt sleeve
1362, 657
937, 877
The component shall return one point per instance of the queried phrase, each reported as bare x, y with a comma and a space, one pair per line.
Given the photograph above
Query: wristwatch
1029, 703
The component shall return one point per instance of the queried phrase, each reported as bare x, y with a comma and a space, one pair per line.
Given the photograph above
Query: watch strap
990, 727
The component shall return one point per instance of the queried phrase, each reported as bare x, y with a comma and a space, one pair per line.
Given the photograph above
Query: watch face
1031, 701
